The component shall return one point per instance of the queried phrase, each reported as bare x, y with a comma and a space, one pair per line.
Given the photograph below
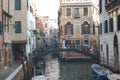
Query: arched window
85, 28
69, 28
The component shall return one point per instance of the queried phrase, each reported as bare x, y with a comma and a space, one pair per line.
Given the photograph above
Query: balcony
76, 16
111, 4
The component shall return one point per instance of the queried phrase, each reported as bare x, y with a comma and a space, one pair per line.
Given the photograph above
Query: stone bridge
85, 51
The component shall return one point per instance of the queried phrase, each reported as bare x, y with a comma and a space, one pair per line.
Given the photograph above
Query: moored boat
100, 71
113, 76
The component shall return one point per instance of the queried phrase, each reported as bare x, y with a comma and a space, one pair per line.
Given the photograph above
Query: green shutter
1, 27
17, 4
118, 22
17, 26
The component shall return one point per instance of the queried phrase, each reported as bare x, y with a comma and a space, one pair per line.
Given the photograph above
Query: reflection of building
78, 22
109, 33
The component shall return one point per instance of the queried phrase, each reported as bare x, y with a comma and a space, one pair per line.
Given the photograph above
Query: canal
70, 69
76, 70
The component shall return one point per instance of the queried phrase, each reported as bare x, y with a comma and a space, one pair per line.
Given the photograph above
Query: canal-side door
116, 53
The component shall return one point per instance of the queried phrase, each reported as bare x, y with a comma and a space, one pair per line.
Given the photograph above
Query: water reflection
76, 70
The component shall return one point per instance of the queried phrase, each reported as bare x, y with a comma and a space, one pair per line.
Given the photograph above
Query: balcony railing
76, 16
112, 4
73, 47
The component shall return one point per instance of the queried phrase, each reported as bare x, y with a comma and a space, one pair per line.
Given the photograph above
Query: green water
76, 70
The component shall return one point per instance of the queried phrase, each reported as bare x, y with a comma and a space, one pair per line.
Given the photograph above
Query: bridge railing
72, 47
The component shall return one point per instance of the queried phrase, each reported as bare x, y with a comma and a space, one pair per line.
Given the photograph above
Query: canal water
76, 70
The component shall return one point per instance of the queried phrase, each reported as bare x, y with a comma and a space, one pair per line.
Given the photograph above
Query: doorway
116, 53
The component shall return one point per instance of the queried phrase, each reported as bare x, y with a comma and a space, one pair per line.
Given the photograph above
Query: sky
47, 8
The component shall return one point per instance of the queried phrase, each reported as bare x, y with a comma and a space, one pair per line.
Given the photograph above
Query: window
105, 1
118, 22
85, 11
101, 46
85, 28
107, 52
100, 28
17, 26
31, 9
68, 12
93, 28
77, 42
86, 42
17, 4
68, 42
100, 6
45, 25
76, 13
111, 24
106, 26
69, 29
1, 27
27, 4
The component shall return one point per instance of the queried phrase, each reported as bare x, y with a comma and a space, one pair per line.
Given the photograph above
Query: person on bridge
63, 45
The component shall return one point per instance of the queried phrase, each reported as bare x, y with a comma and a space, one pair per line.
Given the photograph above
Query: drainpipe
8, 6
2, 28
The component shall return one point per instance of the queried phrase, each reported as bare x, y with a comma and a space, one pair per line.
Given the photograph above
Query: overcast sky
47, 8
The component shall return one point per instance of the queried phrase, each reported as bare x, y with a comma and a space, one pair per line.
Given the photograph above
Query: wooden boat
113, 76
100, 71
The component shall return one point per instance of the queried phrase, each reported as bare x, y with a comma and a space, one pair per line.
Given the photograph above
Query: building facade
6, 47
18, 23
46, 31
40, 33
0, 34
109, 33
78, 23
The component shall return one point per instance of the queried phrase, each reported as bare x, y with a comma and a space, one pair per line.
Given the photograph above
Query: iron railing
72, 47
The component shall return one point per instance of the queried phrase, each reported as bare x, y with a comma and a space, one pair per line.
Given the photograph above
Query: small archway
116, 53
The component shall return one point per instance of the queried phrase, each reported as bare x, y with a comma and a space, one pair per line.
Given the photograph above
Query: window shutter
118, 22
17, 4
65, 29
111, 24
1, 27
17, 26
82, 28
72, 29
88, 28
